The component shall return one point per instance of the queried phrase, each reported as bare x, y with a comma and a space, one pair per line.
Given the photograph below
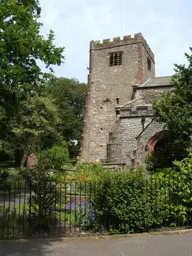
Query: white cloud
166, 25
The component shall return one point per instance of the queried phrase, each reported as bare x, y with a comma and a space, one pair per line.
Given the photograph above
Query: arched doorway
158, 147
157, 141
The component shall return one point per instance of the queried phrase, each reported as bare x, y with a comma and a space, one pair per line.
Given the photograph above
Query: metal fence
63, 209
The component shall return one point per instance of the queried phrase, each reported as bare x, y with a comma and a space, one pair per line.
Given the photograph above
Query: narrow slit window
117, 112
148, 63
115, 59
117, 100
110, 135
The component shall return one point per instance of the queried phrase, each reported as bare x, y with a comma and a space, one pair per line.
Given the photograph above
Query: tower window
117, 112
117, 100
148, 63
115, 59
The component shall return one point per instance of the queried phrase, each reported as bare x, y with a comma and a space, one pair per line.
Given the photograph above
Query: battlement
117, 41
138, 111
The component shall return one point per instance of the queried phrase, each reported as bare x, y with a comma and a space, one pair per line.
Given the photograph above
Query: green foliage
11, 220
37, 111
124, 202
175, 110
175, 192
70, 97
92, 171
6, 152
4, 178
9, 180
171, 147
55, 157
21, 47
130, 202
119, 201
43, 185
38, 120
81, 213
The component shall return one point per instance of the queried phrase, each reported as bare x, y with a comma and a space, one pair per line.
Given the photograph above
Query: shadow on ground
33, 248
146, 245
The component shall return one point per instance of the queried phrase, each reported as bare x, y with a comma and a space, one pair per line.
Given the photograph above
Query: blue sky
165, 24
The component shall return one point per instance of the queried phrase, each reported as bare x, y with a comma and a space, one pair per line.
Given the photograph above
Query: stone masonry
118, 108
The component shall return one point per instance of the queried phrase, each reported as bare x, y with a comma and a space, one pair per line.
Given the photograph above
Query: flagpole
123, 17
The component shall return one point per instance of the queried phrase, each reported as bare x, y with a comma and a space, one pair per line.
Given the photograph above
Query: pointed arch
155, 139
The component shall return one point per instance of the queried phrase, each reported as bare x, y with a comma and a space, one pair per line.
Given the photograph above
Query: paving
147, 245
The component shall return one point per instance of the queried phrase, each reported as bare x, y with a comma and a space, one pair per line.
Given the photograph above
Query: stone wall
109, 83
123, 142
147, 95
135, 127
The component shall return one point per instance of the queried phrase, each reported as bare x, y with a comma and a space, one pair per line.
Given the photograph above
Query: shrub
124, 203
92, 171
44, 195
55, 157
131, 202
175, 192
12, 221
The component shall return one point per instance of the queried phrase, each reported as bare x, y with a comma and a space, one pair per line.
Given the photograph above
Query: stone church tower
116, 68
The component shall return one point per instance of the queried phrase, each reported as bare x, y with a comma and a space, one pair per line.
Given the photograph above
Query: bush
12, 221
44, 195
124, 203
130, 202
92, 171
55, 157
175, 192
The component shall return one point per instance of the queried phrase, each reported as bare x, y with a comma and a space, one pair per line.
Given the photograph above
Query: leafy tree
55, 157
70, 97
175, 110
37, 125
21, 48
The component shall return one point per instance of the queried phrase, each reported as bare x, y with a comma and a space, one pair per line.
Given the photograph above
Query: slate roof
157, 81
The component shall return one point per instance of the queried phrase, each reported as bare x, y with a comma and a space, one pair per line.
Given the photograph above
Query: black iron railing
79, 208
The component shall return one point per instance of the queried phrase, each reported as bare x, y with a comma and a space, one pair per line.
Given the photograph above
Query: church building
119, 125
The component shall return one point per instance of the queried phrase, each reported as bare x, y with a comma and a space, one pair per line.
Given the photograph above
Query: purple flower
71, 206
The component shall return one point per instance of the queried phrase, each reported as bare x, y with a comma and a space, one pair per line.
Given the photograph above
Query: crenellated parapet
117, 41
